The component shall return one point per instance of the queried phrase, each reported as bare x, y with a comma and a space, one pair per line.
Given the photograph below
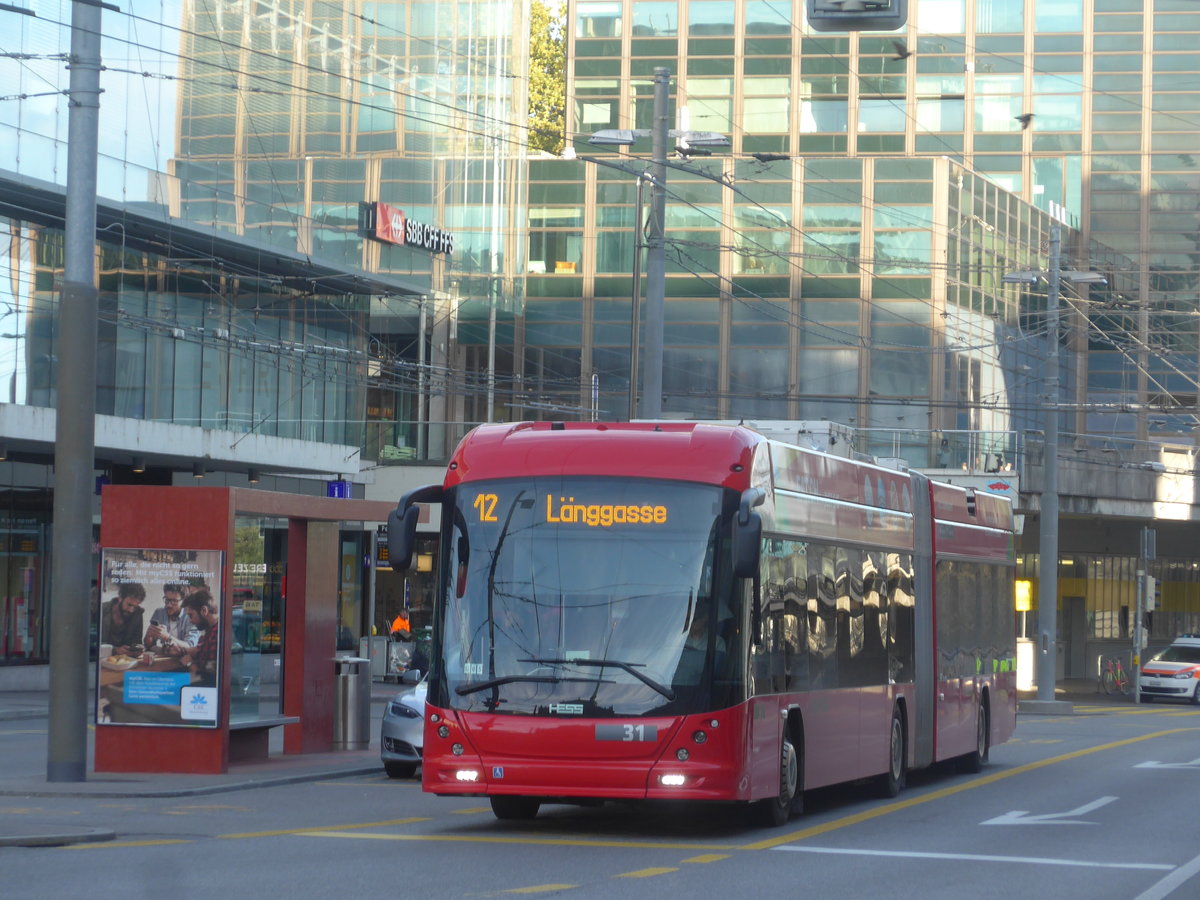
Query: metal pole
656, 280
421, 387
1048, 580
491, 357
1139, 611
1147, 552
75, 415
636, 314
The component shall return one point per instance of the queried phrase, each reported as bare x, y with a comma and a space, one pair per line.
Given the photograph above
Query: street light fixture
1047, 668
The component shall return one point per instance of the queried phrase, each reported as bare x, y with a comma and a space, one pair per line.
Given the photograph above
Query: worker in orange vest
401, 627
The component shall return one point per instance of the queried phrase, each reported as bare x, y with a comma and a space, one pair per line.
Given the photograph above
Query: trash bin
352, 703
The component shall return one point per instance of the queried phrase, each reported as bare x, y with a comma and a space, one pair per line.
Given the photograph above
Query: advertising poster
160, 637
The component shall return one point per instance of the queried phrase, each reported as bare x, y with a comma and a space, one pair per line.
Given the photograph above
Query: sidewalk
1080, 691
23, 774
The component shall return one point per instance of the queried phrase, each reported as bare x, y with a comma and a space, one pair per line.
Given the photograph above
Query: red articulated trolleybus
693, 611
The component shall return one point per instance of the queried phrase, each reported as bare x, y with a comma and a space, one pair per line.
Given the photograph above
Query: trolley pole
75, 414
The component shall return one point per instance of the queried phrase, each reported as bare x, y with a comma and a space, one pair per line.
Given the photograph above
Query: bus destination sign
568, 511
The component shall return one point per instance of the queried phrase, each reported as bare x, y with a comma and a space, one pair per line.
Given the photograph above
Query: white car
1173, 673
401, 735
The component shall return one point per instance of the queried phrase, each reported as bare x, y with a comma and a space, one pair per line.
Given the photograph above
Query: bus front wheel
775, 811
520, 808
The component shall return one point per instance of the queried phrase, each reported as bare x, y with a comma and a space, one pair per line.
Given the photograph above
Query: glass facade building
844, 257
242, 297
1084, 109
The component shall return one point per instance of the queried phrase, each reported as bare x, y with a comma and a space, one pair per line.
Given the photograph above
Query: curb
57, 838
141, 791
22, 715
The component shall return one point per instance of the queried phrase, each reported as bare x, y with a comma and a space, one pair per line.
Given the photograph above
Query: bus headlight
672, 780
466, 775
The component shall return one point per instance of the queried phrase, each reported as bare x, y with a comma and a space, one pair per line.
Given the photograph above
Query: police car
1175, 672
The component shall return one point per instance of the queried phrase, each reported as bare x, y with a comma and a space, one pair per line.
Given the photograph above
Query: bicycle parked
1113, 679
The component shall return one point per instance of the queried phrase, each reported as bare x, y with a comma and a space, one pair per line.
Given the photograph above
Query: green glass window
876, 115
598, 19
823, 115
1059, 113
655, 18
1058, 15
766, 115
997, 113
594, 114
940, 115
767, 17
710, 18
711, 113
831, 371
998, 16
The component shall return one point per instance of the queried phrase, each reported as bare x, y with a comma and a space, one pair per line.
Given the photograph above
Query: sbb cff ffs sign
389, 224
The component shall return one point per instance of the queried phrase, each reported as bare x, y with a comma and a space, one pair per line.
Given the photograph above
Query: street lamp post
656, 264
1047, 667
1048, 535
656, 261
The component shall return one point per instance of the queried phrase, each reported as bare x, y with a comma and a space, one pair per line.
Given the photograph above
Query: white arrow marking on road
1022, 817
1194, 764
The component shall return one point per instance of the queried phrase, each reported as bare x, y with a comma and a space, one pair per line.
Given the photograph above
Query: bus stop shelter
156, 714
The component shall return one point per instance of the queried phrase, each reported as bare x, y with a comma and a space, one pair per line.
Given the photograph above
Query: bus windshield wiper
472, 687
611, 663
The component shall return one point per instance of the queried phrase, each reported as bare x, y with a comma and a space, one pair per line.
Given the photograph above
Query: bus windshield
587, 596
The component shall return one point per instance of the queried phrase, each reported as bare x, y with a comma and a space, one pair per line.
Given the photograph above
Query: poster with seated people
159, 632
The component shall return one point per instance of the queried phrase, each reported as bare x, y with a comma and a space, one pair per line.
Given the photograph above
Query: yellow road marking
647, 873
876, 812
527, 839
324, 828
115, 844
470, 811
707, 858
540, 889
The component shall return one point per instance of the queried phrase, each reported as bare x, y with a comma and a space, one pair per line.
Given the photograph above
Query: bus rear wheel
891, 781
775, 811
975, 760
517, 808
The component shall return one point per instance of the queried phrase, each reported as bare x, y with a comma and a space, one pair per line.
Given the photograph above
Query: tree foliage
547, 77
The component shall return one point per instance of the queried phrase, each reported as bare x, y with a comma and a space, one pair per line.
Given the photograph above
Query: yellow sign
1024, 595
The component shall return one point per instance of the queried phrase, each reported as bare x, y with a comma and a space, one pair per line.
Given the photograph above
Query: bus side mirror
747, 534
402, 524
